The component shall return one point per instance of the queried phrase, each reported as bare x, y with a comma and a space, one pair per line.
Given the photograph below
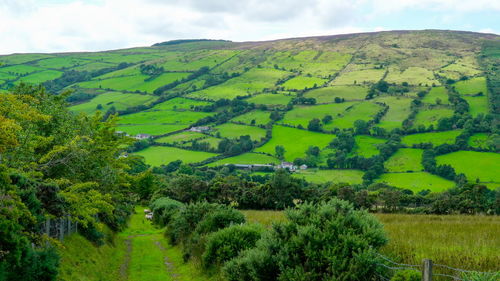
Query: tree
279, 151
327, 119
314, 125
361, 127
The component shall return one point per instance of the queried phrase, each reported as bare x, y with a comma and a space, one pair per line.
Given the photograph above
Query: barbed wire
400, 264
397, 268
463, 270
455, 278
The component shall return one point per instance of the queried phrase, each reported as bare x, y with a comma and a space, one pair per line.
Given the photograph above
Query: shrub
327, 241
407, 275
164, 209
227, 243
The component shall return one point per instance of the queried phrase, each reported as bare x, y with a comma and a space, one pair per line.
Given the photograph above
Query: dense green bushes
327, 241
164, 209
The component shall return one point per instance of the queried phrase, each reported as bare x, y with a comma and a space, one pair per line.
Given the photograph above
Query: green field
257, 117
399, 109
475, 165
40, 77
118, 100
334, 176
162, 155
232, 131
251, 82
437, 95
295, 141
472, 86
436, 138
405, 160
181, 137
246, 158
361, 111
366, 146
416, 181
328, 94
152, 129
428, 117
270, 99
477, 105
301, 115
359, 77
22, 69
163, 117
412, 75
61, 62
134, 83
303, 82
179, 104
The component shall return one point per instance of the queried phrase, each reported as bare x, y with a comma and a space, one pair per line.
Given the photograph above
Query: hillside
413, 109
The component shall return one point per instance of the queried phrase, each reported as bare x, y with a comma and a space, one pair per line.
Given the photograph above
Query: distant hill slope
432, 87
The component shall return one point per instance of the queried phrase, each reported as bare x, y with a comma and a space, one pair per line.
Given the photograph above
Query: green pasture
328, 94
475, 165
22, 58
436, 138
405, 160
479, 140
253, 81
295, 141
333, 176
259, 116
303, 82
301, 115
360, 111
192, 61
230, 130
21, 69
359, 77
472, 86
162, 155
366, 146
179, 104
412, 75
428, 117
477, 105
246, 158
270, 99
119, 100
436, 94
181, 137
399, 109
416, 181
152, 129
92, 66
40, 77
212, 142
61, 62
163, 117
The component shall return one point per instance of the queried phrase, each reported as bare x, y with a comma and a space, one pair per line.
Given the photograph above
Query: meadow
295, 141
258, 117
482, 166
301, 115
333, 176
233, 131
163, 117
152, 129
303, 82
405, 160
436, 138
359, 77
436, 95
328, 94
246, 158
40, 77
179, 104
181, 137
366, 146
471, 86
428, 117
362, 111
253, 81
412, 75
416, 181
479, 140
162, 155
270, 99
119, 101
399, 109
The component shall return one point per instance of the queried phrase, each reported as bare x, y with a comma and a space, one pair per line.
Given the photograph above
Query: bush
227, 243
328, 241
407, 275
164, 209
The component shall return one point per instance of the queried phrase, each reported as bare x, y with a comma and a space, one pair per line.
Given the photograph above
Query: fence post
427, 270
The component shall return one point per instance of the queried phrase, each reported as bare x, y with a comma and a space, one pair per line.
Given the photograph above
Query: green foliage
164, 209
407, 275
227, 243
326, 241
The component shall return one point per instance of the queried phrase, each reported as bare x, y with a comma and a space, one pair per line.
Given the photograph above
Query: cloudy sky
87, 25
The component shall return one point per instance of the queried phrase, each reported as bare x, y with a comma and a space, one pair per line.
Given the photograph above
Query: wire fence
429, 270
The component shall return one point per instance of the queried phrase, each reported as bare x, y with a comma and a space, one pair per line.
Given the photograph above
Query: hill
411, 109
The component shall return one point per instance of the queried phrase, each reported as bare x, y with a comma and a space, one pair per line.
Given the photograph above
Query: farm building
142, 136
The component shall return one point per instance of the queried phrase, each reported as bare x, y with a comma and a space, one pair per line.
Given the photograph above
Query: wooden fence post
427, 270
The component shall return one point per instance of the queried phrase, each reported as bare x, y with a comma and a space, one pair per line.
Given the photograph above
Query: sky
94, 25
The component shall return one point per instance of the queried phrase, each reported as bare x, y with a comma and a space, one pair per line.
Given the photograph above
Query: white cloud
79, 25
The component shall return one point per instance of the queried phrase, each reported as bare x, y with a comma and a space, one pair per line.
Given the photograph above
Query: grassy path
149, 257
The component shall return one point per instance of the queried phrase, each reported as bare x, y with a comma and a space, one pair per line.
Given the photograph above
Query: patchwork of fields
293, 98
